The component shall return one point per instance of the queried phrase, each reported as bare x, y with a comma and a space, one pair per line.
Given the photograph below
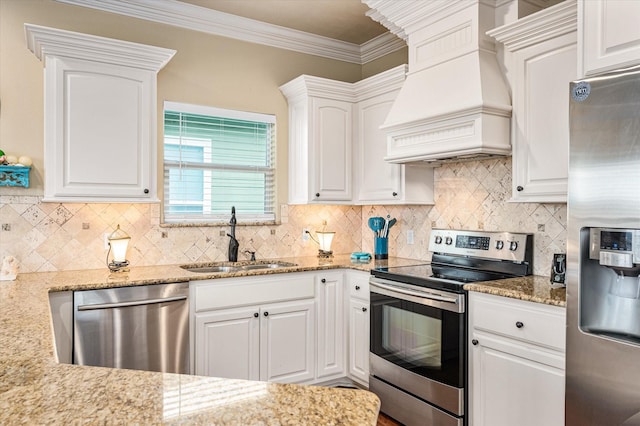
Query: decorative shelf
14, 176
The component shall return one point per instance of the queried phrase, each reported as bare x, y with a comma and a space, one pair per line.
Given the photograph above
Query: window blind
215, 159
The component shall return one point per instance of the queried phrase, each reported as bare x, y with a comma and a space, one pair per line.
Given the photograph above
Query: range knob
499, 244
438, 239
448, 241
513, 245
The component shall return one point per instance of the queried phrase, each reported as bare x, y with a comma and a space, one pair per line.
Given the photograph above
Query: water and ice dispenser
610, 283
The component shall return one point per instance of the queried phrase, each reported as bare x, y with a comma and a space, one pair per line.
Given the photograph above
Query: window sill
216, 224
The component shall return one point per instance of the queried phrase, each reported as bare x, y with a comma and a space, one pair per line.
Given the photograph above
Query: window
215, 159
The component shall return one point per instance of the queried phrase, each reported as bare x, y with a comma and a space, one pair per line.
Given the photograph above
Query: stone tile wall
469, 195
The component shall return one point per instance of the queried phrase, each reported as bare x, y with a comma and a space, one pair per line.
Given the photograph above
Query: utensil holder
381, 248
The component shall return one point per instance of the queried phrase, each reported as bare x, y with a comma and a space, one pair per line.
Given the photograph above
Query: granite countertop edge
532, 288
36, 389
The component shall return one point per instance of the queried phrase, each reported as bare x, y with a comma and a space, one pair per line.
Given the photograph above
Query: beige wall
231, 74
206, 69
469, 195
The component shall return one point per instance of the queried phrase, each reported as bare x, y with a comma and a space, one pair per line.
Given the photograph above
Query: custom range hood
454, 104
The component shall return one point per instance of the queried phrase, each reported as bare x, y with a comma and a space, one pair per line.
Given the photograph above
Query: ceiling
343, 20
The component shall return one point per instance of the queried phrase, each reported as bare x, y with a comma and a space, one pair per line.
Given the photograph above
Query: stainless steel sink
212, 268
266, 266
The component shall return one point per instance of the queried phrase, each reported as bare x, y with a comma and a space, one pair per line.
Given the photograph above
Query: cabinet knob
317, 194
146, 191
266, 314
395, 194
256, 315
357, 287
519, 188
323, 280
519, 324
474, 342
364, 309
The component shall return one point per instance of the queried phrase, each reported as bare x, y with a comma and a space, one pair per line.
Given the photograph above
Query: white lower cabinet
287, 343
358, 294
330, 325
228, 343
256, 328
306, 327
517, 357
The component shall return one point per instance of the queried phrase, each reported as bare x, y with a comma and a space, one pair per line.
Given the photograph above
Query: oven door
418, 342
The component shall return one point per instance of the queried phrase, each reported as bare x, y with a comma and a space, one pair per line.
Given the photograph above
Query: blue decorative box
14, 176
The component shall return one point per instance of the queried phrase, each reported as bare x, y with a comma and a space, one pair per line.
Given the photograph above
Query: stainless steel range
418, 349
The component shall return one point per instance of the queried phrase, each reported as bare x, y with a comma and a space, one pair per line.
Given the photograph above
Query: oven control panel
491, 245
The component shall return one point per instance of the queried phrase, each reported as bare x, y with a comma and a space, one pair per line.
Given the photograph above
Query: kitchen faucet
233, 243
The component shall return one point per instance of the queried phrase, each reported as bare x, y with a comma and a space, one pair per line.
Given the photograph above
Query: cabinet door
610, 34
509, 388
330, 347
98, 134
541, 128
287, 342
332, 145
378, 180
228, 343
359, 340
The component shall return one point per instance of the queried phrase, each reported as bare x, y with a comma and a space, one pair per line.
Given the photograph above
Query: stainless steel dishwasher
139, 327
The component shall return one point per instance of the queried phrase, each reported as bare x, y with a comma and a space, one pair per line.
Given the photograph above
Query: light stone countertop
36, 389
533, 288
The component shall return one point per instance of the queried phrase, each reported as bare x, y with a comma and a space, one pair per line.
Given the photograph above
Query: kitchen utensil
385, 229
376, 224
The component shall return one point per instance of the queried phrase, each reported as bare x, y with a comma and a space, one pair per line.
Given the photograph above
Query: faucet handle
252, 253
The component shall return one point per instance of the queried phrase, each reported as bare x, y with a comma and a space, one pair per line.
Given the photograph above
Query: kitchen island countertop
36, 389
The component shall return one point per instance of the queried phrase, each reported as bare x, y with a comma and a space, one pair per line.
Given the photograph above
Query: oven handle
415, 293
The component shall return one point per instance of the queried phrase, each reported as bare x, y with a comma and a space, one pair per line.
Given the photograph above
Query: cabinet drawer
528, 321
359, 285
231, 292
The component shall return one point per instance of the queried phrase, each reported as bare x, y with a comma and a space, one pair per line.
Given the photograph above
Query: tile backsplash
469, 195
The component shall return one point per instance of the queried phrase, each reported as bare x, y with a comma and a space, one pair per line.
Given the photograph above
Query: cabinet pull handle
395, 194
474, 342
266, 314
519, 324
357, 287
146, 191
364, 309
323, 280
317, 194
519, 188
256, 315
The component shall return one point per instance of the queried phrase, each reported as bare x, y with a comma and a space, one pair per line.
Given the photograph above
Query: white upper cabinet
379, 181
610, 35
320, 140
100, 116
336, 147
541, 61
331, 148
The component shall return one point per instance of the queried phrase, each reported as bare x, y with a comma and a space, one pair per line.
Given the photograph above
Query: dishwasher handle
132, 303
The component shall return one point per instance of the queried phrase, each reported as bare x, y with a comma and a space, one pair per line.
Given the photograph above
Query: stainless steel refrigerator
603, 233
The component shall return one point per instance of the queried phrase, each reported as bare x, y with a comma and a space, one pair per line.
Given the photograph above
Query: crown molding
546, 24
308, 85
45, 42
196, 18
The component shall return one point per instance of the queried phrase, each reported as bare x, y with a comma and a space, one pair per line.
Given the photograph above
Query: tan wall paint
385, 63
207, 70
